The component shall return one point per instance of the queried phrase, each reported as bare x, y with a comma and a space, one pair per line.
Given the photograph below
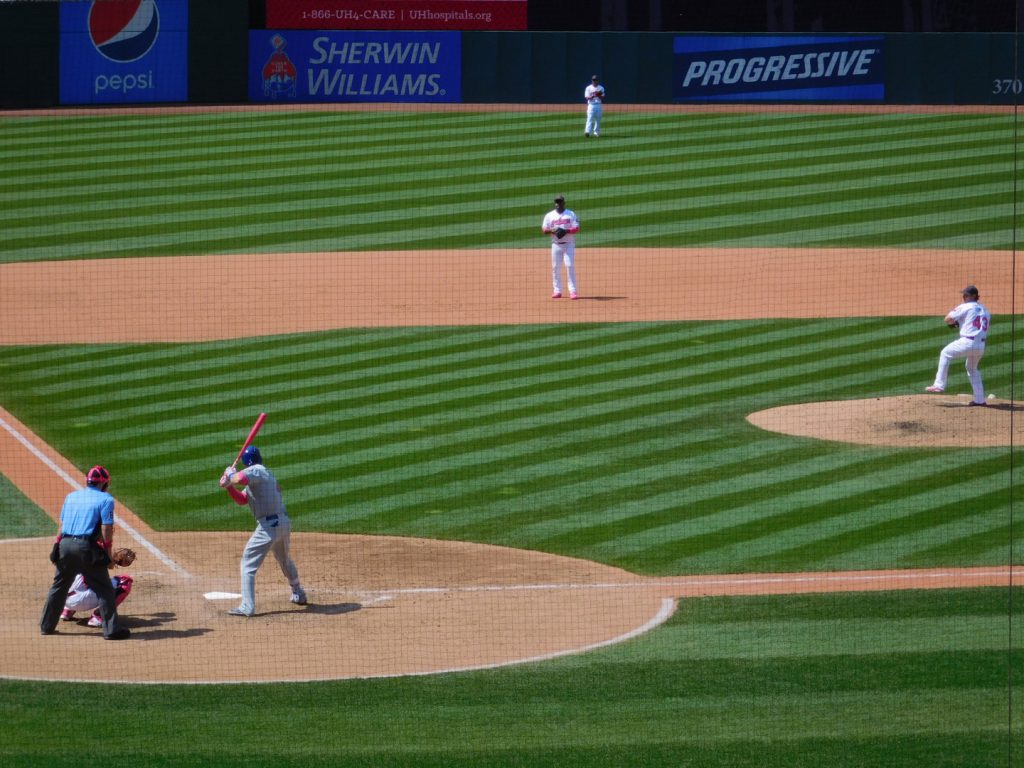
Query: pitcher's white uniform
563, 249
594, 94
974, 320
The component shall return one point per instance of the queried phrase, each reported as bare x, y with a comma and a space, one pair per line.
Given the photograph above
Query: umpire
86, 534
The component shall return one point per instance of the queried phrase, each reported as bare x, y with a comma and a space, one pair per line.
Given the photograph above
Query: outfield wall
219, 57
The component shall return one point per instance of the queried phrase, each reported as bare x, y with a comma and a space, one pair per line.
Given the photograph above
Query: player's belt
82, 536
972, 338
268, 518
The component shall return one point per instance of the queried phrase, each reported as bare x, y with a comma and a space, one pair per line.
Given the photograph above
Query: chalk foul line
59, 471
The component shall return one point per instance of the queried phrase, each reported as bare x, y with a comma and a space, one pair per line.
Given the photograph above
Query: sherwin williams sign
788, 68
123, 51
290, 65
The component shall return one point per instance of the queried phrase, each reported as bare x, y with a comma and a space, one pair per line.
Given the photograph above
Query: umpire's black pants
81, 556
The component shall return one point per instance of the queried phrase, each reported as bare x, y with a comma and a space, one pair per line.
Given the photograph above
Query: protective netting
709, 500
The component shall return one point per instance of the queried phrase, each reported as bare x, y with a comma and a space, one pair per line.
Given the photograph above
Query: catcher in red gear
81, 598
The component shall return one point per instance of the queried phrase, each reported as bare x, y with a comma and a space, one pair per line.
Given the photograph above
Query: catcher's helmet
251, 455
97, 476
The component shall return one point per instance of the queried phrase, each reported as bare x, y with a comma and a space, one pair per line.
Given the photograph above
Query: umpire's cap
97, 476
251, 455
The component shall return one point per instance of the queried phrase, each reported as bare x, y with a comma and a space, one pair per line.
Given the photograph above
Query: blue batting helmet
251, 455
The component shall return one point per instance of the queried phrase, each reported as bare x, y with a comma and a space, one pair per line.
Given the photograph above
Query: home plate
222, 596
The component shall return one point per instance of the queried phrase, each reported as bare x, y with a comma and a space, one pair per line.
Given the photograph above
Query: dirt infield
199, 298
379, 607
391, 606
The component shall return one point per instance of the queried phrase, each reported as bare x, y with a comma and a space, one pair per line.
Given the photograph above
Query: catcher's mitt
559, 233
122, 557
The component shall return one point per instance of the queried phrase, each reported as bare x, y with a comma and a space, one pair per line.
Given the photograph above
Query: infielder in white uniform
273, 528
594, 94
81, 598
562, 225
973, 320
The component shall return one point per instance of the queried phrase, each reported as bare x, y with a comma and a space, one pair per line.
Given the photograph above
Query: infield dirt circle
382, 606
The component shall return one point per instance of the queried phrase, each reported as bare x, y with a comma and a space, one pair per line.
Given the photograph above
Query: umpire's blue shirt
85, 510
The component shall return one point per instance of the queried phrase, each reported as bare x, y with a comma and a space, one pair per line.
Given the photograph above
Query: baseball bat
252, 436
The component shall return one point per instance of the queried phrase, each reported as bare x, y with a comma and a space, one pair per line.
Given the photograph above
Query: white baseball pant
272, 534
563, 253
972, 350
593, 119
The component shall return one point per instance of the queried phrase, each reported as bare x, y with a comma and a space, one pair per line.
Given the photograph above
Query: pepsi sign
123, 51
124, 32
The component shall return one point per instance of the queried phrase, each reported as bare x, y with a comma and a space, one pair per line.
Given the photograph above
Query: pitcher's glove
559, 233
122, 557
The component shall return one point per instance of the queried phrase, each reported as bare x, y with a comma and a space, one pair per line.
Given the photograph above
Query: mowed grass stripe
644, 388
772, 530
589, 423
468, 147
629, 439
430, 231
457, 159
709, 503
901, 524
346, 173
205, 377
317, 194
603, 380
353, 369
703, 200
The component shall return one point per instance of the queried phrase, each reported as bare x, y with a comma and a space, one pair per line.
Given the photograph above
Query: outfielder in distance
973, 320
262, 493
594, 94
562, 225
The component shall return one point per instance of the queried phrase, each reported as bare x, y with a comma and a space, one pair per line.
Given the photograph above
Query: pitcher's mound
910, 421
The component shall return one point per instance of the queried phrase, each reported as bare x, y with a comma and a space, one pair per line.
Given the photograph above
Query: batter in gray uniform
273, 528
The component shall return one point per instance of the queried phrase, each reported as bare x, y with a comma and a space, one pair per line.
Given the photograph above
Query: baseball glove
122, 557
559, 233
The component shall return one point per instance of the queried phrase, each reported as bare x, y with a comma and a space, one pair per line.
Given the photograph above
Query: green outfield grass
884, 679
622, 443
86, 187
633, 452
